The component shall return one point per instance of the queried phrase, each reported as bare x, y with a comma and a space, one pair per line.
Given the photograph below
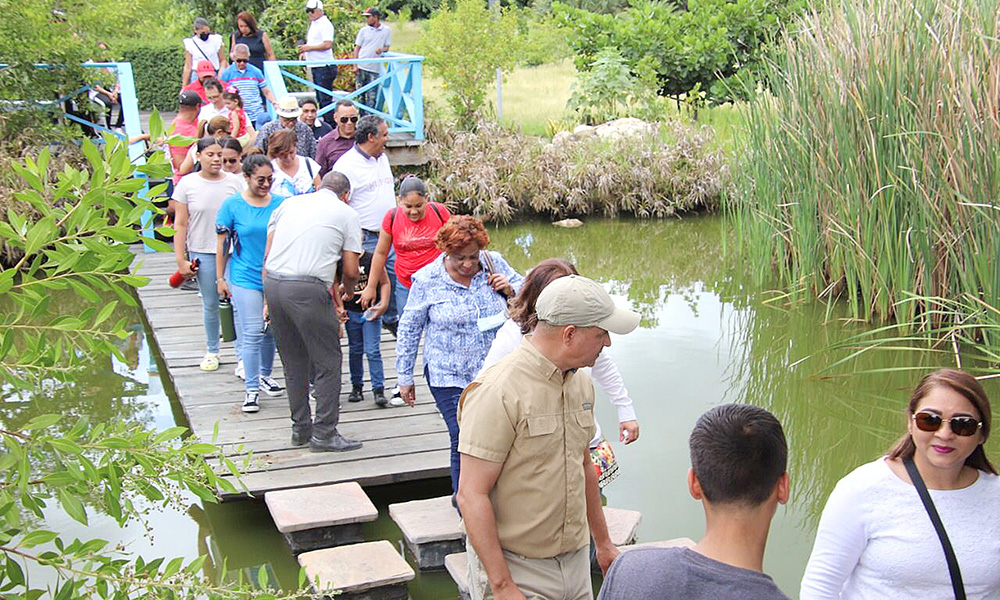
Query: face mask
203, 36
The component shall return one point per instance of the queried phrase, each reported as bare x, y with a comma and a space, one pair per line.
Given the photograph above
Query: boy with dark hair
738, 460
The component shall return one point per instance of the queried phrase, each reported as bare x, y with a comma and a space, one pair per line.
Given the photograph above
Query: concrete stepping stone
431, 528
367, 571
457, 566
320, 517
622, 527
681, 542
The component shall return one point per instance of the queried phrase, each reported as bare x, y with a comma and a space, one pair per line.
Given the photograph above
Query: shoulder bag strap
949, 552
487, 262
437, 212
194, 40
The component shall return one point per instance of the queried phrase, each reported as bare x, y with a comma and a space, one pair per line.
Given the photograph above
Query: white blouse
604, 373
875, 540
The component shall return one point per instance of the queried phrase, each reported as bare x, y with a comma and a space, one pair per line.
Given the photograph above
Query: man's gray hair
367, 127
201, 22
241, 50
336, 182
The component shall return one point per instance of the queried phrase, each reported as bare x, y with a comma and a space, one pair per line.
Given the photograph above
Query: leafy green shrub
869, 173
500, 174
156, 67
286, 23
464, 46
698, 45
541, 42
610, 90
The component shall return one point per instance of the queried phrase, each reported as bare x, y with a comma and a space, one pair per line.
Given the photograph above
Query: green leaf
169, 434
41, 422
262, 578
173, 567
66, 446
105, 312
93, 156
202, 448
39, 536
39, 235
72, 505
14, 572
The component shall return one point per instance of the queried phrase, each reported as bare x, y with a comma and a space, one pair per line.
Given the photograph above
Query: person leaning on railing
876, 538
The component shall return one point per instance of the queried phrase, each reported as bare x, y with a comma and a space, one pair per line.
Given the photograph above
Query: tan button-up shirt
525, 413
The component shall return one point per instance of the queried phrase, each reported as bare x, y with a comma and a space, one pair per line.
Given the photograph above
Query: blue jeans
369, 240
368, 97
324, 77
446, 399
209, 298
402, 293
258, 347
363, 339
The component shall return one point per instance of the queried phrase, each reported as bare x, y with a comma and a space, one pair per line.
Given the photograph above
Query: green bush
156, 67
541, 41
609, 90
869, 173
286, 23
500, 174
696, 45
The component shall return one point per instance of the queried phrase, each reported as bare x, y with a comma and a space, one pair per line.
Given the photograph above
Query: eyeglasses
262, 180
353, 119
963, 426
230, 161
241, 60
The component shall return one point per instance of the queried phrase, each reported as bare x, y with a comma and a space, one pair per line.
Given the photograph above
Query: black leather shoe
355, 395
380, 398
300, 438
390, 327
337, 443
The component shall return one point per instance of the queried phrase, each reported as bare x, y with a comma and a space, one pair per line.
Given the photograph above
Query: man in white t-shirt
319, 46
203, 45
306, 237
372, 192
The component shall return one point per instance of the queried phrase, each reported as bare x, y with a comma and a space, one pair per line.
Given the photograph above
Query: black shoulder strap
437, 211
392, 219
309, 168
949, 552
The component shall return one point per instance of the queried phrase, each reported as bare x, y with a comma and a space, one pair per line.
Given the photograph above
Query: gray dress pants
305, 329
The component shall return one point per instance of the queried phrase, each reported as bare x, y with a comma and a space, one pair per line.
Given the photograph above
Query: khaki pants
563, 577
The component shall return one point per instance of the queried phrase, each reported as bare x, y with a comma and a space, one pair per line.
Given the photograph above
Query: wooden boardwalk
400, 443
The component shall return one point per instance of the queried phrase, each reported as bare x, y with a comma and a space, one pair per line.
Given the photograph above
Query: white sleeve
352, 233
605, 374
840, 539
507, 340
327, 32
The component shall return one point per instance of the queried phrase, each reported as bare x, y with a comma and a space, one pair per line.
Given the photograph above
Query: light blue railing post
400, 87
133, 127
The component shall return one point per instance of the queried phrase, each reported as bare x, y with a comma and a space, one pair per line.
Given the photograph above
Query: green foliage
465, 45
221, 14
610, 90
286, 23
870, 172
541, 42
156, 67
694, 45
499, 174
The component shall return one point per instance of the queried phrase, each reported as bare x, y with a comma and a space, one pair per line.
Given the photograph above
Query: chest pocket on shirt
580, 436
539, 426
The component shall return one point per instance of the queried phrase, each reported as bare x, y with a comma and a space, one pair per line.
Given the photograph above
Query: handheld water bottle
177, 279
226, 320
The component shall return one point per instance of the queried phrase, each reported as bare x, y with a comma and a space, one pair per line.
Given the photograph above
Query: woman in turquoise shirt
242, 224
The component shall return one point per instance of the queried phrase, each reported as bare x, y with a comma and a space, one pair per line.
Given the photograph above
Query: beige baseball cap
582, 302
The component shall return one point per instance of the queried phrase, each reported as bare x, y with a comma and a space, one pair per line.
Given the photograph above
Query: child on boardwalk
364, 332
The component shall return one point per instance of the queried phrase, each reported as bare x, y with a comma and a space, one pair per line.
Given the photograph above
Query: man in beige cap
288, 117
527, 488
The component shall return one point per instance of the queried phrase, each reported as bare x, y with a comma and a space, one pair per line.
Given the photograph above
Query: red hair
460, 231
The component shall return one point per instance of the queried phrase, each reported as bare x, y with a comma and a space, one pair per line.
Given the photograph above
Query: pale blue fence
400, 88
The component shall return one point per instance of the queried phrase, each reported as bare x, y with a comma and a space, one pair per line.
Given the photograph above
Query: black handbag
949, 552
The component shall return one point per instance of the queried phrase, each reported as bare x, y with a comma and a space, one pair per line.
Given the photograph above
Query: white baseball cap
576, 300
314, 4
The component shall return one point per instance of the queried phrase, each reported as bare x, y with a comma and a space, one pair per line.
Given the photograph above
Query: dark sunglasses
230, 161
353, 119
963, 426
310, 10
241, 60
267, 179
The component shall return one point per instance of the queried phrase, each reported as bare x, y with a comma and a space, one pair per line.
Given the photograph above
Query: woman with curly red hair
457, 302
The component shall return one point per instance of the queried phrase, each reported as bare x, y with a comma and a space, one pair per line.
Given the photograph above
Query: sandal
210, 362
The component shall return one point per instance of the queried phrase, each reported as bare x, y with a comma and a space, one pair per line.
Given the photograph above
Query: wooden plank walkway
400, 444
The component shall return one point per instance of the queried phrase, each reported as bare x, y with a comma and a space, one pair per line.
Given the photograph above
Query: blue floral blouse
449, 313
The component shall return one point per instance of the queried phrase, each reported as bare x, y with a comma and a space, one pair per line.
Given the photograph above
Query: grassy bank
870, 173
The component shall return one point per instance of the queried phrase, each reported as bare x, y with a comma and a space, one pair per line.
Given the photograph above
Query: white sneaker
269, 386
397, 398
250, 403
239, 370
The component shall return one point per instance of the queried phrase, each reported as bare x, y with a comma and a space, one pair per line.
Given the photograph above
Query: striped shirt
249, 82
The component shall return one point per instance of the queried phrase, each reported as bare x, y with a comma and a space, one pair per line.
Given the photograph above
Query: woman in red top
409, 229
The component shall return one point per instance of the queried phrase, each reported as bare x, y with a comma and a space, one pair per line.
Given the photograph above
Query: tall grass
870, 172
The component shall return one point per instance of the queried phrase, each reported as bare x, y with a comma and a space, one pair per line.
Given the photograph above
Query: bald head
338, 183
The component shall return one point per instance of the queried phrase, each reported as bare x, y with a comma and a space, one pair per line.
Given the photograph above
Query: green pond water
707, 337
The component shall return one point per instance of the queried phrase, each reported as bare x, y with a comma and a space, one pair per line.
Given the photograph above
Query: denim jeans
368, 97
446, 399
209, 299
369, 239
363, 340
324, 77
258, 347
402, 293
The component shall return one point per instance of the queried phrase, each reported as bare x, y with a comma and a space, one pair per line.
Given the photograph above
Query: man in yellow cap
527, 488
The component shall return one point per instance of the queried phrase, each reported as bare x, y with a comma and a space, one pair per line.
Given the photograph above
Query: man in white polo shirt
306, 237
372, 192
319, 46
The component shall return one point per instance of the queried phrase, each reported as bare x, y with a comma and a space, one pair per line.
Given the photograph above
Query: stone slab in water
366, 571
322, 516
431, 528
622, 525
458, 567
681, 542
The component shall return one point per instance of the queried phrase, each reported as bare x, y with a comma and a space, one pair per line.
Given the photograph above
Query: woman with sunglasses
232, 156
875, 538
196, 200
241, 224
